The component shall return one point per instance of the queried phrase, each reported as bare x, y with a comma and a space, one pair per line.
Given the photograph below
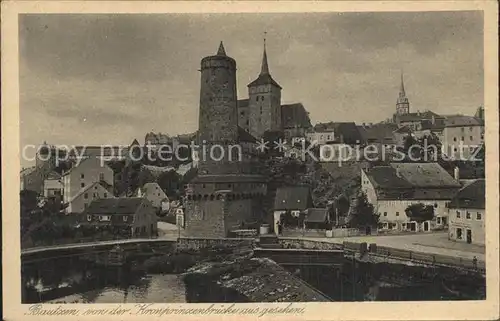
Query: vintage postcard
250, 160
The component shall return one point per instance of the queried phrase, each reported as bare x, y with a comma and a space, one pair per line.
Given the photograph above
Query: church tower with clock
224, 196
264, 101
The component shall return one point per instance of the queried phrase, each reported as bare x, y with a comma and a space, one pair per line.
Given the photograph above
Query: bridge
76, 249
308, 257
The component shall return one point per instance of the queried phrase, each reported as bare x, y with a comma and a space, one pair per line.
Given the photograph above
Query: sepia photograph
253, 157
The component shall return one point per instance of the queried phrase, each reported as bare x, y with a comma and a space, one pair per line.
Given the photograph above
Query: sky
107, 79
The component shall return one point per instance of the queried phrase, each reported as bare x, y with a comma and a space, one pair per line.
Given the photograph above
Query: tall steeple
221, 51
402, 87
402, 103
264, 69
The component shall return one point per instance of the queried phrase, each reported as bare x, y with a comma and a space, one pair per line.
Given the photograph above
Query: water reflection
79, 281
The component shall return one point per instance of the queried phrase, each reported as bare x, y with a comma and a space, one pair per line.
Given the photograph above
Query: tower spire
402, 87
221, 51
264, 70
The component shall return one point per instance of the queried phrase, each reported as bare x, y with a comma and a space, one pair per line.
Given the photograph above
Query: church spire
402, 87
221, 51
264, 70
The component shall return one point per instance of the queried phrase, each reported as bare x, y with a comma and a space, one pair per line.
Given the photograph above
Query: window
82, 176
95, 195
478, 216
257, 98
471, 138
454, 139
82, 185
438, 220
125, 218
89, 218
385, 213
435, 205
95, 187
397, 213
105, 218
262, 98
229, 185
459, 233
101, 176
85, 205
458, 214
242, 113
86, 195
462, 139
462, 129
470, 128
467, 215
105, 195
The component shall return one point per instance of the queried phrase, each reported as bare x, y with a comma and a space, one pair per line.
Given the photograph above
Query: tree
362, 213
420, 212
412, 148
431, 148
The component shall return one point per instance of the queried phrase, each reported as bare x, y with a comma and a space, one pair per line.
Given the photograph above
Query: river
74, 280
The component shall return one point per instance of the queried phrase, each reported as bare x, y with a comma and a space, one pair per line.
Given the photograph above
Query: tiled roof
124, 205
229, 179
472, 195
349, 132
386, 177
86, 189
292, 198
264, 79
98, 151
460, 121
316, 215
418, 116
425, 175
378, 133
53, 176
295, 115
244, 136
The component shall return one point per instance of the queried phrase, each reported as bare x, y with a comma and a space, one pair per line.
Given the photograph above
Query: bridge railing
421, 257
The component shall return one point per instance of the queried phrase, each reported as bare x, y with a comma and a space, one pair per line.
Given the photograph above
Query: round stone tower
218, 121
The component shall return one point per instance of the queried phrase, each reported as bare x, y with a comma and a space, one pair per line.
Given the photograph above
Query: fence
420, 257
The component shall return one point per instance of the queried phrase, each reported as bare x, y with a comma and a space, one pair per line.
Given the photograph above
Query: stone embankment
246, 279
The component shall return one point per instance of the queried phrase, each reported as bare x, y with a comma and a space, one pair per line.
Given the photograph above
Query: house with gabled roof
291, 200
84, 174
466, 213
79, 202
393, 188
133, 214
154, 193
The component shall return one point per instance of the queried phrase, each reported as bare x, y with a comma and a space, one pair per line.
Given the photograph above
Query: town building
392, 189
46, 161
290, 200
316, 218
134, 215
222, 197
466, 212
87, 172
462, 136
79, 202
153, 193
52, 185
295, 121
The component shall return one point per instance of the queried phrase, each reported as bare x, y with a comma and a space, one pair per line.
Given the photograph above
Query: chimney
433, 120
456, 173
